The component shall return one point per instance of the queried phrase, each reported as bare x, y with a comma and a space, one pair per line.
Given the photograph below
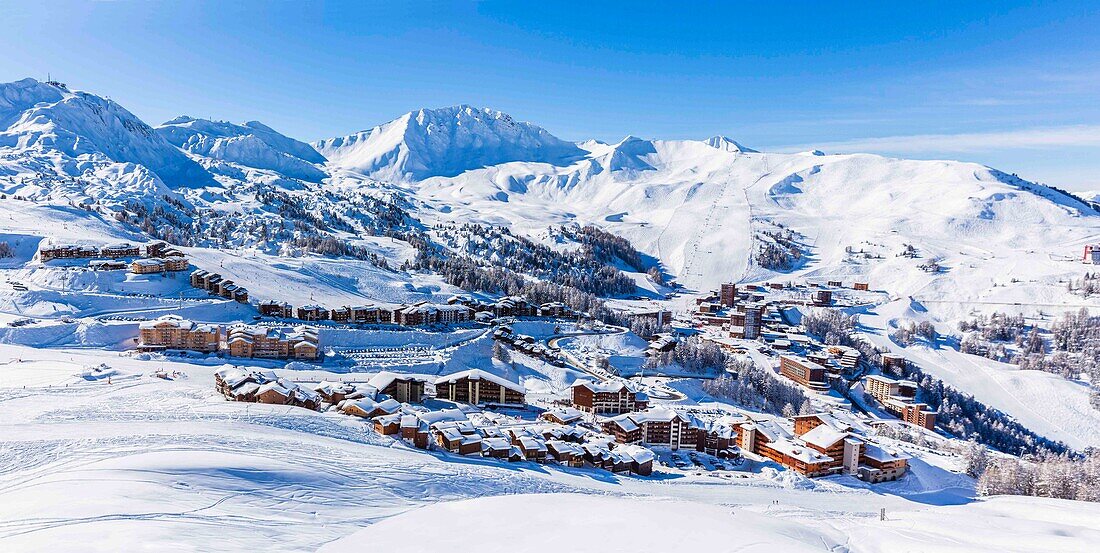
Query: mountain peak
251, 144
729, 145
38, 117
445, 141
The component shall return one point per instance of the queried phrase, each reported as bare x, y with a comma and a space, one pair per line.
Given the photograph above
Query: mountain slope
251, 144
47, 120
444, 142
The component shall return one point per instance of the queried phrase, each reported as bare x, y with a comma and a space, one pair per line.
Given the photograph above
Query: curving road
667, 394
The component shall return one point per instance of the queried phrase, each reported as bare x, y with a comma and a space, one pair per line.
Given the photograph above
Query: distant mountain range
709, 210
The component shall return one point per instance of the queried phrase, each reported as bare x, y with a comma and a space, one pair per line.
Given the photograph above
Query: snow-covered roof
560, 446
478, 374
607, 386
565, 414
383, 379
799, 452
823, 436
882, 455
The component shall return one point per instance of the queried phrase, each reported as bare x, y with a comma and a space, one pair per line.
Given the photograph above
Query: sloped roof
478, 374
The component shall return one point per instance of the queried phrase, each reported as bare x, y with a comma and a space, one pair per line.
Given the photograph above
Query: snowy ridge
251, 144
444, 142
49, 121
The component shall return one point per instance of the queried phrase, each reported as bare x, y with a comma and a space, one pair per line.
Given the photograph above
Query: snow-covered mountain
710, 210
80, 132
444, 142
251, 144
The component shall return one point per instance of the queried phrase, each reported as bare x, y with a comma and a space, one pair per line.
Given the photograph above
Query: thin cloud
1035, 138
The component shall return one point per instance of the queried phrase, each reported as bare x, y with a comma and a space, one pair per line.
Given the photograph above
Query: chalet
66, 251
263, 387
562, 415
335, 392
860, 286
767, 439
425, 313
173, 332
240, 295
124, 249
270, 343
146, 266
514, 306
641, 459
823, 297
881, 465
835, 283
459, 437
273, 308
223, 286
554, 309
312, 313
155, 248
719, 437
197, 278
804, 372
388, 425
341, 314
611, 397
368, 314
805, 423
228, 290
655, 426
107, 265
369, 408
533, 449
176, 264
497, 447
565, 453
477, 387
406, 388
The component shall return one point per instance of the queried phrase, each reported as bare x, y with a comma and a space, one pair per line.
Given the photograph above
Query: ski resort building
1092, 254
612, 397
237, 384
269, 343
273, 308
805, 372
312, 313
727, 295
477, 387
406, 388
898, 397
155, 265
654, 426
173, 332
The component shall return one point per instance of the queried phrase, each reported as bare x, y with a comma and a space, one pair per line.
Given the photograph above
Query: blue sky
1016, 86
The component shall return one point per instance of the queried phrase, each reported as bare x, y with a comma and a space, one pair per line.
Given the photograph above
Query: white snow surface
445, 141
251, 144
115, 459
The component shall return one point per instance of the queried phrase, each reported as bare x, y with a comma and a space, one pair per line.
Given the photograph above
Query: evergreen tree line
606, 247
754, 388
1087, 285
777, 250
693, 354
1055, 475
1073, 350
579, 269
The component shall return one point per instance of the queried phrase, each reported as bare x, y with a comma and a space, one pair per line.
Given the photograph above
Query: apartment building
174, 332
611, 397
